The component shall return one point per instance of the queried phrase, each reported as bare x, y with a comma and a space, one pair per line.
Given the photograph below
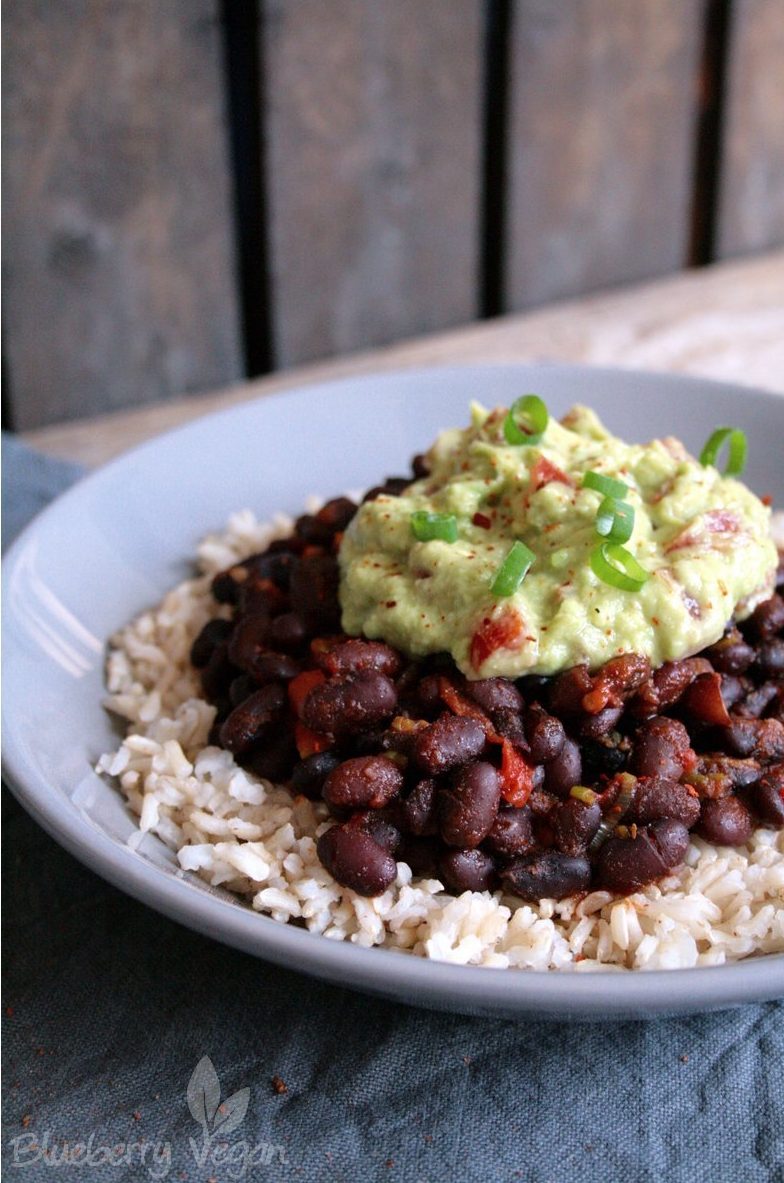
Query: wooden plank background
372, 115
415, 164
118, 263
601, 143
751, 204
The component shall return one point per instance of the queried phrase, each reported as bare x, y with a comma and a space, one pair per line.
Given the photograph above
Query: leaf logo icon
204, 1094
231, 1112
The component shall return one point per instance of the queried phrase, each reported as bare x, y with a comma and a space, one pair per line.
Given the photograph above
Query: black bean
575, 824
604, 757
218, 675
739, 773
421, 854
666, 685
274, 758
260, 595
495, 694
509, 724
511, 833
241, 688
770, 658
467, 810
626, 864
567, 691
429, 694
541, 803
758, 700
314, 591
397, 739
420, 466
658, 797
732, 654
419, 809
545, 734
733, 689
393, 486
661, 748
272, 564
226, 585
551, 875
600, 724
337, 513
725, 821
767, 619
767, 796
380, 826
274, 667
350, 655
287, 631
309, 775
356, 860
565, 771
249, 640
467, 870
248, 723
364, 782
350, 705
213, 633
289, 544
448, 743
313, 531
761, 738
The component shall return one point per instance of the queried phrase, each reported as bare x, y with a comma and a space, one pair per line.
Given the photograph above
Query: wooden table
724, 321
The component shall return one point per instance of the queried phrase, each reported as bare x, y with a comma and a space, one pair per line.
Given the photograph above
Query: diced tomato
703, 699
544, 471
301, 686
460, 705
517, 775
482, 520
503, 631
715, 521
309, 742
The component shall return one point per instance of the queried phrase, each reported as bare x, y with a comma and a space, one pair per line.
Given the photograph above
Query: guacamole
702, 538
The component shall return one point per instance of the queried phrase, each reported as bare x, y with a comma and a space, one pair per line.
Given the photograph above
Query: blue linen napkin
122, 1030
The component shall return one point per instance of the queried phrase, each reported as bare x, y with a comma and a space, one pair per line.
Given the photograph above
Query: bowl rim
185, 898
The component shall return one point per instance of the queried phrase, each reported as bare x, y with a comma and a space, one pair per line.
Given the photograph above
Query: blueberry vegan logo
218, 1119
234, 1158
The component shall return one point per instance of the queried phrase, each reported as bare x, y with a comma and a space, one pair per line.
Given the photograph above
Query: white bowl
119, 539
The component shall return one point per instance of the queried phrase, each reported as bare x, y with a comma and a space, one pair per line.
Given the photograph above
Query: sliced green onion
605, 484
526, 420
513, 570
581, 793
608, 824
737, 450
428, 527
617, 566
615, 520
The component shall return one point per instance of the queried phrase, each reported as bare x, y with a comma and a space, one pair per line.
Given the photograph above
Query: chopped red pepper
517, 775
460, 705
544, 471
301, 686
309, 742
504, 631
704, 700
481, 519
